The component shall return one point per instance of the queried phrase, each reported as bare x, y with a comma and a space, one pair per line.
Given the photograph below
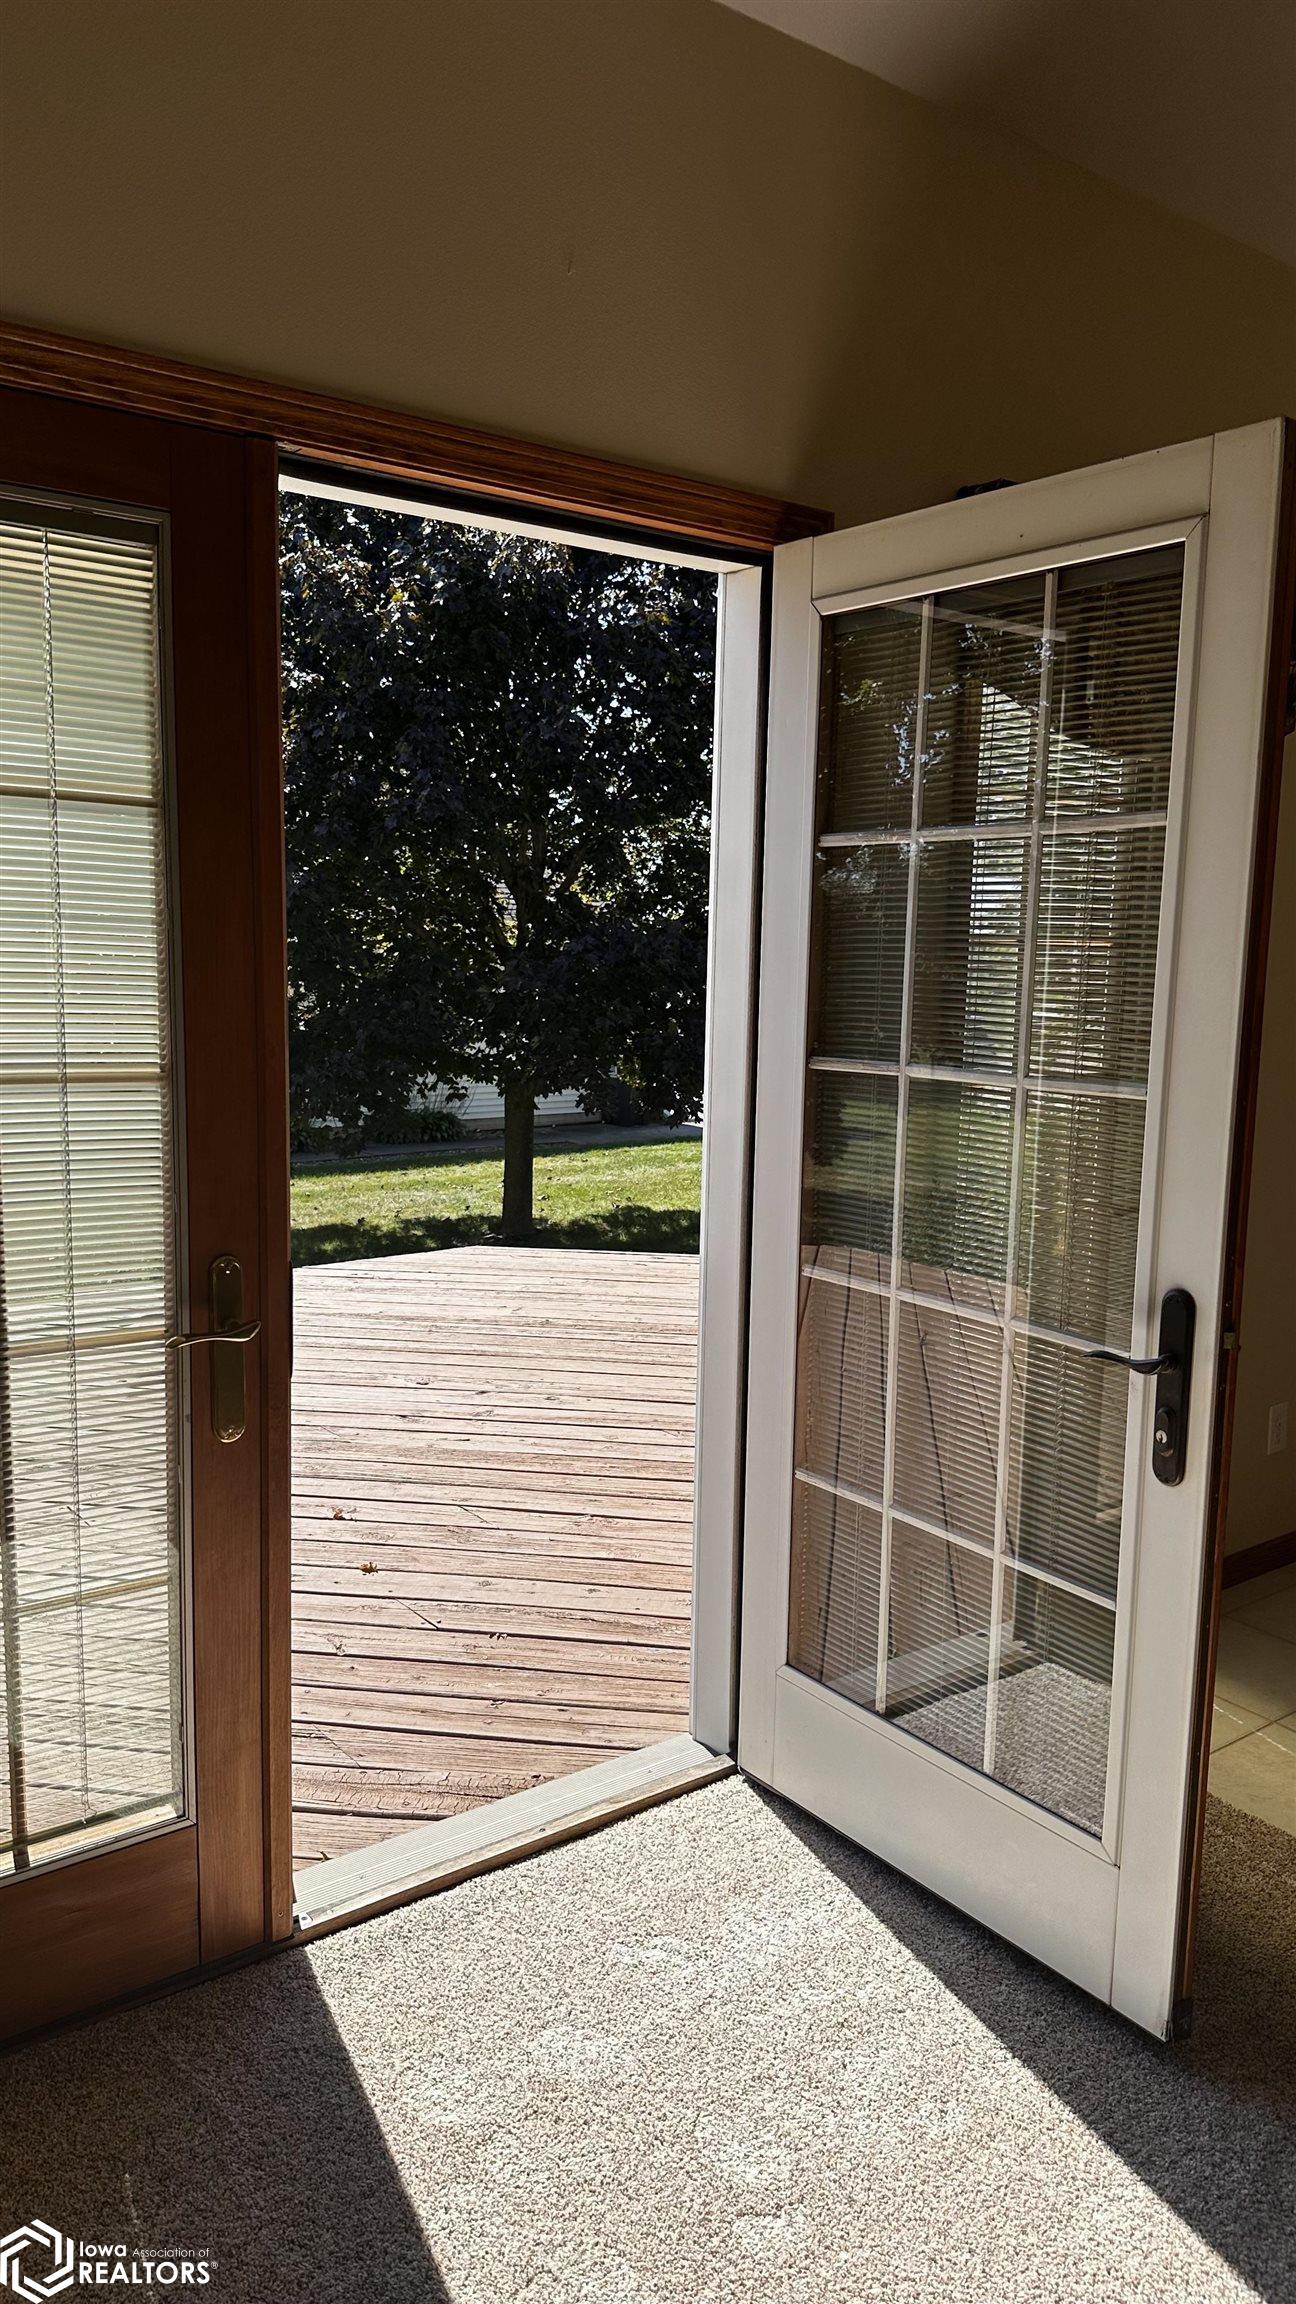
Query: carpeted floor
710, 2054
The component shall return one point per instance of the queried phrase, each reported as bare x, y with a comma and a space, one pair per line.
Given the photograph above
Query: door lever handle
1154, 1367
1172, 1368
243, 1335
227, 1334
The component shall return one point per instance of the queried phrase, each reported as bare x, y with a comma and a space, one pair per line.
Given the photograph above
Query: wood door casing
519, 475
87, 1929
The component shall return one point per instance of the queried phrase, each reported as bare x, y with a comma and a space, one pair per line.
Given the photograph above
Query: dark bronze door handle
1155, 1367
1172, 1368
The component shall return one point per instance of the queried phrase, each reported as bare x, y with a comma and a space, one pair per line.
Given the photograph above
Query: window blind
90, 1520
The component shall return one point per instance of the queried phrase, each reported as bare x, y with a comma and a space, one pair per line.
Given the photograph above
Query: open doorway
499, 781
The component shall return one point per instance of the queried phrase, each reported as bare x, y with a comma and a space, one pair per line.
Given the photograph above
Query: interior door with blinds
1015, 754
131, 1148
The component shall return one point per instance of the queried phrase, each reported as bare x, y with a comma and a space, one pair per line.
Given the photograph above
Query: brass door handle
227, 1335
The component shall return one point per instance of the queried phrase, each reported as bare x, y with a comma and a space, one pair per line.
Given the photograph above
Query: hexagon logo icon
21, 2278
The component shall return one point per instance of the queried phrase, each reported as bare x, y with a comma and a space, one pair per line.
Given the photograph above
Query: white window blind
90, 1521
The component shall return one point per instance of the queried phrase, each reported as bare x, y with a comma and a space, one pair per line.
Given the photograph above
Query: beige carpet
710, 2054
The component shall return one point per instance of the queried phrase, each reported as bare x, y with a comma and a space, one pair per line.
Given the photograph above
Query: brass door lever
227, 1335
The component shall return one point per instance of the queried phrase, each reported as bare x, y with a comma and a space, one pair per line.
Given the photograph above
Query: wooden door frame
269, 423
440, 457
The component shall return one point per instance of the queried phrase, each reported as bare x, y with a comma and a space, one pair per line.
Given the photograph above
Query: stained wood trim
354, 434
1282, 631
1259, 1559
96, 1927
223, 1120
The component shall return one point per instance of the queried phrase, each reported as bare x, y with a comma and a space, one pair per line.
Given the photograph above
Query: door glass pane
939, 1604
981, 722
1077, 1234
836, 1590
948, 1376
1112, 691
861, 894
870, 717
984, 976
956, 1190
841, 1383
1096, 946
967, 954
850, 1171
90, 1602
1053, 1698
1067, 1463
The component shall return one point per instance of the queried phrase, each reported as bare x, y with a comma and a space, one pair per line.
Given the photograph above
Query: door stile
1277, 725
726, 1167
1227, 736
222, 1108
1147, 1294
782, 1026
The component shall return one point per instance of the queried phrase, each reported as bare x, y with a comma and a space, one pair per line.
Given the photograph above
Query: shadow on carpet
1209, 2123
226, 2119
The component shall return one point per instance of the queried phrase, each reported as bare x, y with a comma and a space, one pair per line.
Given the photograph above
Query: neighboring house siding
483, 1107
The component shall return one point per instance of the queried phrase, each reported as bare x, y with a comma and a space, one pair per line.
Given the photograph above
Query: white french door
1014, 759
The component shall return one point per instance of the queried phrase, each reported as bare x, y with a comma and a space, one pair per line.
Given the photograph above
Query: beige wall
650, 228
1262, 1488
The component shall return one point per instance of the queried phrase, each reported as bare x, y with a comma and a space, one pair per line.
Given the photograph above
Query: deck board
492, 1527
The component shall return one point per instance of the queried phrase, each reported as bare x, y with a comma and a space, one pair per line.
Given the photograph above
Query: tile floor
1253, 1732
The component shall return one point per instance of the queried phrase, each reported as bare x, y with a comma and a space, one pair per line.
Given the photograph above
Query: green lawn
614, 1196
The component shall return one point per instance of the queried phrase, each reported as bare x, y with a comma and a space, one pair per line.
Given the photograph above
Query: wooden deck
492, 1527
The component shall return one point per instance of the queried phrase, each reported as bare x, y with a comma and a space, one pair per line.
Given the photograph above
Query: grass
642, 1196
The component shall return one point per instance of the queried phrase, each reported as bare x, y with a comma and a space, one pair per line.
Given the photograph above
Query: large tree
498, 778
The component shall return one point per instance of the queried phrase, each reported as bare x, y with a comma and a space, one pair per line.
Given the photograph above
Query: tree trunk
519, 1159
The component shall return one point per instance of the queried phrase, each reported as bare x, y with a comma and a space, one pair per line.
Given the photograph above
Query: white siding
483, 1107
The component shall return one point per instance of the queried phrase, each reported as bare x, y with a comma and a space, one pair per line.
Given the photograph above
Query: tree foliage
497, 789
